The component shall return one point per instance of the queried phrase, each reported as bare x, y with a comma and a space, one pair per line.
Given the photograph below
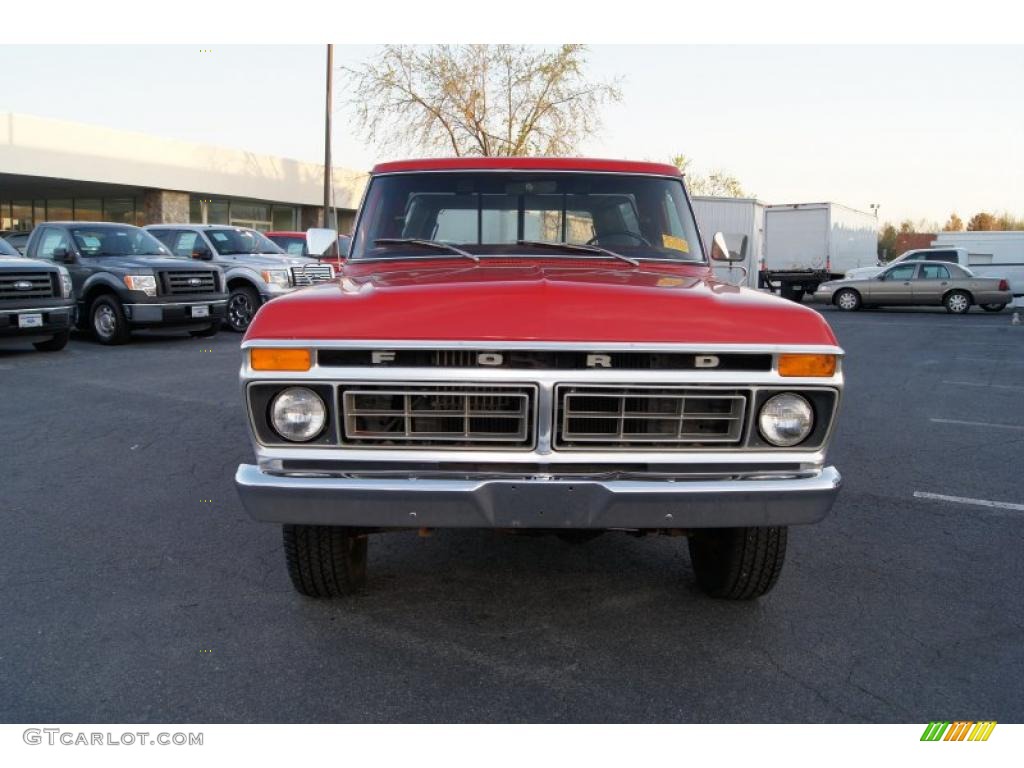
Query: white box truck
736, 218
806, 244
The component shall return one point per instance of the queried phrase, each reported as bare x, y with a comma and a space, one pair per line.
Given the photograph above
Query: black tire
242, 305
325, 560
206, 332
993, 307
792, 292
107, 321
56, 344
847, 299
737, 563
957, 302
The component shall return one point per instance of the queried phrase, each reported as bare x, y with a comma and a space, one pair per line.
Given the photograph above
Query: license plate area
30, 321
203, 311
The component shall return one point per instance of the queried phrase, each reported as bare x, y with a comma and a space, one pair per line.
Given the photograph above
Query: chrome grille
182, 282
27, 285
659, 418
456, 416
310, 274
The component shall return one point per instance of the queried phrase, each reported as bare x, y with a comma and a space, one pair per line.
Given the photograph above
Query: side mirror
720, 250
321, 243
63, 255
202, 254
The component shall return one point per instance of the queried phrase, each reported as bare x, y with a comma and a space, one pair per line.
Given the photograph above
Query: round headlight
298, 414
786, 420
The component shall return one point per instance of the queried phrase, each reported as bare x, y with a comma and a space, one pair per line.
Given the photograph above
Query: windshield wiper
579, 247
436, 244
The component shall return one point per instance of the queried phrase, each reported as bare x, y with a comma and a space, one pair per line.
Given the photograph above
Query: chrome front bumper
532, 502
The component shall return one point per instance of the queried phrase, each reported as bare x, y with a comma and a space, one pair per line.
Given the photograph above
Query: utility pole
328, 212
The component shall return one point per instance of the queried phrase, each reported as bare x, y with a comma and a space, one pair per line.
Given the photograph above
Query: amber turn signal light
807, 365
270, 359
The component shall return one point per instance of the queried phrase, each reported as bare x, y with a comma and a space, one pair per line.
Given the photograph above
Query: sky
919, 130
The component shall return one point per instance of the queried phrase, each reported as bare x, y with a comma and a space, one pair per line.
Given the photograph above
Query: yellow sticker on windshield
675, 243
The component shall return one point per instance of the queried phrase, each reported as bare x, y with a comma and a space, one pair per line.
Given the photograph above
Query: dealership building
52, 170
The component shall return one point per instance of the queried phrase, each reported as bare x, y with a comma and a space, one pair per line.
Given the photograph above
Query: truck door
894, 286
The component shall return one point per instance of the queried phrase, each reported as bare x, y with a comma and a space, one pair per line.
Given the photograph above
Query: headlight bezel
279, 278
142, 283
67, 288
800, 403
316, 402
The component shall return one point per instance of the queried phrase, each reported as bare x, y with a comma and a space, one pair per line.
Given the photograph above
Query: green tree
492, 100
718, 183
887, 242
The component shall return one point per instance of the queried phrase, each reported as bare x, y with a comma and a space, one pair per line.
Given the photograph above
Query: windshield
116, 241
640, 217
231, 242
292, 244
6, 249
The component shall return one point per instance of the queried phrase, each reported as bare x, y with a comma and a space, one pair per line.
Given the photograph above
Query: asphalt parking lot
134, 588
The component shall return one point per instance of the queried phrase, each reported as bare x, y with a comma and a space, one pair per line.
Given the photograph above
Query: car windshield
6, 249
527, 213
231, 242
117, 241
292, 244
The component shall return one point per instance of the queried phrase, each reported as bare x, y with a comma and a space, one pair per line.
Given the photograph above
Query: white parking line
983, 384
978, 424
973, 502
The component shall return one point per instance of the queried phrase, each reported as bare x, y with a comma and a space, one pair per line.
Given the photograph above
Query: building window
282, 218
217, 212
21, 215
59, 210
88, 209
119, 209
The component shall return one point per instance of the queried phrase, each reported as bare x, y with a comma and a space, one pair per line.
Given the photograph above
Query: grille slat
602, 417
311, 274
182, 282
455, 416
41, 285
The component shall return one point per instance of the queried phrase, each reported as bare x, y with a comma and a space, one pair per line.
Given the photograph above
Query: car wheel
55, 344
957, 302
847, 300
242, 305
993, 307
109, 325
206, 332
737, 563
325, 560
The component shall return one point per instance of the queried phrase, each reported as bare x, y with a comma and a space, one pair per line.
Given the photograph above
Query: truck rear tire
792, 292
325, 560
737, 563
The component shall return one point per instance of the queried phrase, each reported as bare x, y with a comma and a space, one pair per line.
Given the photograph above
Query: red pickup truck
537, 344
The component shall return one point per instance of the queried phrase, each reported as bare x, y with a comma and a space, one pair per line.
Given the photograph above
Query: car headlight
144, 283
65, 283
786, 420
298, 414
278, 277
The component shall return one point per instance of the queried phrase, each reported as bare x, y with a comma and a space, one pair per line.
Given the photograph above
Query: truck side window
51, 240
941, 256
185, 244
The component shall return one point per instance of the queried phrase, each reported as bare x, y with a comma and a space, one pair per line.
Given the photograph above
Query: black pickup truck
124, 279
36, 305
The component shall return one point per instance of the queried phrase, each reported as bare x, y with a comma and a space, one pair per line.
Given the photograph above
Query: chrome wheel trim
240, 311
104, 321
958, 303
847, 300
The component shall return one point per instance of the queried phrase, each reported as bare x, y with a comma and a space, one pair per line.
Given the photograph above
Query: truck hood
146, 262
269, 260
19, 263
536, 300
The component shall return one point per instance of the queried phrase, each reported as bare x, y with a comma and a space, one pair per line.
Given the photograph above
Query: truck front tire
325, 560
242, 305
107, 320
737, 563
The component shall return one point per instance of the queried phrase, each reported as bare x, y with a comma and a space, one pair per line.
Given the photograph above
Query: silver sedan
926, 283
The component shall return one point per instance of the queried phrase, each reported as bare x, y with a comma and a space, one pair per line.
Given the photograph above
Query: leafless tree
488, 100
718, 183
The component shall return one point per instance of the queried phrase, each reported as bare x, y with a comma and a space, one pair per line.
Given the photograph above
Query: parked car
537, 344
17, 238
125, 280
295, 244
916, 283
256, 268
1004, 262
36, 302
